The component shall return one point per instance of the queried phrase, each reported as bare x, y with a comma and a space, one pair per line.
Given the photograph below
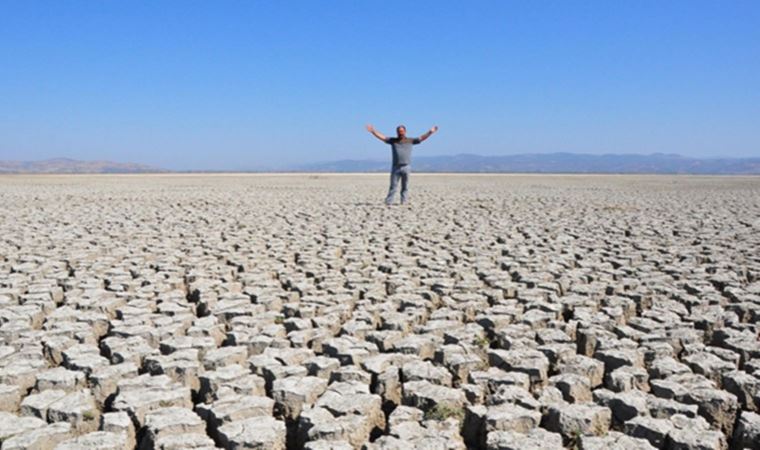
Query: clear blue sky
236, 85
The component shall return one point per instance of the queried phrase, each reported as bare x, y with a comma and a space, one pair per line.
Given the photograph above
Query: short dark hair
401, 126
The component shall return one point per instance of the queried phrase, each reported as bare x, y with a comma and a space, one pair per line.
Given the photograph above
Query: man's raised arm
376, 133
429, 133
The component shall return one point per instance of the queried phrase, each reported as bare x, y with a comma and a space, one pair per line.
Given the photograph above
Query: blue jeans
399, 172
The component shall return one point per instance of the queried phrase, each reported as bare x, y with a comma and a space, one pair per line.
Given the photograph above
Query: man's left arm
427, 134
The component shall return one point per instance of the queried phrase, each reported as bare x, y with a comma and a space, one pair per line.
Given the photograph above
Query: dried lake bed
297, 311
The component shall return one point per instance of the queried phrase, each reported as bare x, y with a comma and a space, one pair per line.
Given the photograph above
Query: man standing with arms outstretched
401, 146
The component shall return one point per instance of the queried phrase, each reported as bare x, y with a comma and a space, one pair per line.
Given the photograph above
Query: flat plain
297, 311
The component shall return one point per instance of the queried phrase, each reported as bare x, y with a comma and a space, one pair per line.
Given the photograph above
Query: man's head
401, 131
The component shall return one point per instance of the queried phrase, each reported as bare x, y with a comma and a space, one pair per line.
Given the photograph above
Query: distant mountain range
66, 165
657, 163
554, 163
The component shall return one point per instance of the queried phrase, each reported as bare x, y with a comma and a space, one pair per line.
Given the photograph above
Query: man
401, 147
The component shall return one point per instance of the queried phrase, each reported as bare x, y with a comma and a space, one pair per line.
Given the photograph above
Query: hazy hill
65, 165
554, 163
469, 163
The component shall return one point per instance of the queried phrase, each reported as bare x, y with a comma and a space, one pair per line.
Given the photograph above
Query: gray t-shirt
402, 149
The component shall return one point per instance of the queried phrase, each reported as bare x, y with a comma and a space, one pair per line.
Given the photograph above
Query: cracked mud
292, 312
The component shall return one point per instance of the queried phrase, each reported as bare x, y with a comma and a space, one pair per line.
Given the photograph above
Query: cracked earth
299, 312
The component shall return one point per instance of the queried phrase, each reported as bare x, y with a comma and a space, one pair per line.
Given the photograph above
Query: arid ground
297, 311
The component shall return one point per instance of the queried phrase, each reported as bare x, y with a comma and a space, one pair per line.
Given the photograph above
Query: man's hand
429, 133
375, 133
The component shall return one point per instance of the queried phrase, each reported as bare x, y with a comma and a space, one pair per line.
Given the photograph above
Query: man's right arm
376, 133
